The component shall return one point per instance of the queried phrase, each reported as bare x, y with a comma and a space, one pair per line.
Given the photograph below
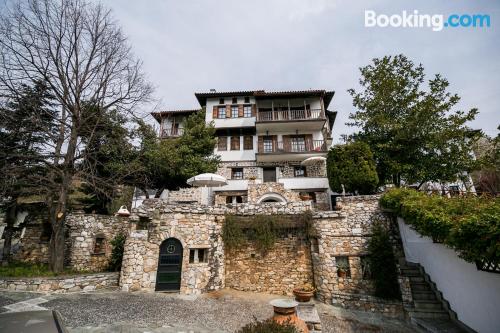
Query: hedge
470, 225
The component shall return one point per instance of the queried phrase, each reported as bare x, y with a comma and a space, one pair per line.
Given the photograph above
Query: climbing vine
263, 230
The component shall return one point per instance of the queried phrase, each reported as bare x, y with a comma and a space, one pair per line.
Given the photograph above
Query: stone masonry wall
283, 267
61, 284
185, 194
83, 229
256, 191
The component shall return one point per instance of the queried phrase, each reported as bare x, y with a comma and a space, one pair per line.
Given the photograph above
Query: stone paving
219, 312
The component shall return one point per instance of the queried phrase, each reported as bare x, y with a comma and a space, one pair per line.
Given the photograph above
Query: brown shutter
240, 110
254, 110
260, 144
275, 143
309, 142
215, 112
286, 143
228, 111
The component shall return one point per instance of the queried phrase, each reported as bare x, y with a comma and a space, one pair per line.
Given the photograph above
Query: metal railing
292, 147
290, 115
171, 132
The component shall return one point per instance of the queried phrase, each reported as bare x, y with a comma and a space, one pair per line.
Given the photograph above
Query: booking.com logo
415, 20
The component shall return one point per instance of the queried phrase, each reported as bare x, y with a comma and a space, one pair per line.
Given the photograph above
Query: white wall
474, 295
237, 155
301, 183
227, 100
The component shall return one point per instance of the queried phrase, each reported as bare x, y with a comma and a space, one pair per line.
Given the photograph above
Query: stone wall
61, 284
256, 191
192, 194
283, 267
194, 227
392, 309
83, 229
32, 248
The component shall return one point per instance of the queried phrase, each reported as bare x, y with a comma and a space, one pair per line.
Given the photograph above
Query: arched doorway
271, 197
168, 276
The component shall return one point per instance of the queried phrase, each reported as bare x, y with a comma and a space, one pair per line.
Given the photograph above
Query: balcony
309, 119
286, 151
171, 133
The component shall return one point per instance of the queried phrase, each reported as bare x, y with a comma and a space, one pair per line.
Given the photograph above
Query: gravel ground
218, 312
9, 297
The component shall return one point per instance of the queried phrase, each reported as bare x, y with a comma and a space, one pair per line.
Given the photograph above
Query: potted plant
342, 269
304, 293
304, 196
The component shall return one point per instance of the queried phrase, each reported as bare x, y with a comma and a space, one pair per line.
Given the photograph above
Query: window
235, 100
314, 245
343, 268
221, 101
198, 255
299, 171
298, 144
46, 232
143, 223
237, 173
235, 143
99, 245
248, 142
234, 111
222, 112
247, 99
222, 143
247, 111
234, 199
268, 144
366, 272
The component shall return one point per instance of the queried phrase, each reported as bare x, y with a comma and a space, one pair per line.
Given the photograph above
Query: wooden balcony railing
171, 132
290, 115
292, 147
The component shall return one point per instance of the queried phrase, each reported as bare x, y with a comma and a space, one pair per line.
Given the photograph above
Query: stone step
420, 286
424, 295
436, 325
429, 313
427, 304
418, 278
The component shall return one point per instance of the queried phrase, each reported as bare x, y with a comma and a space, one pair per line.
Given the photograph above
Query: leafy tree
26, 123
353, 166
487, 177
383, 264
414, 133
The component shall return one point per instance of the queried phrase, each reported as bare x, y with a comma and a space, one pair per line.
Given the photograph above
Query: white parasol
313, 160
205, 180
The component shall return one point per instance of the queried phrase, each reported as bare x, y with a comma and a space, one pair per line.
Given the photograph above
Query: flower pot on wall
302, 296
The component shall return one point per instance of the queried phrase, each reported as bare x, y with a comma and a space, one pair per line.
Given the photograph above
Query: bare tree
82, 54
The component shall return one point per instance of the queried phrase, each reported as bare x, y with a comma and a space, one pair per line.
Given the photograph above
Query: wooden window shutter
240, 110
215, 111
228, 111
309, 142
286, 143
260, 144
275, 143
254, 110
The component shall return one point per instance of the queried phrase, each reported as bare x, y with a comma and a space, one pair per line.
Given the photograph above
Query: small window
366, 272
268, 144
99, 245
235, 100
235, 143
237, 173
46, 232
229, 199
247, 111
198, 255
343, 268
222, 112
143, 223
234, 111
314, 245
299, 171
221, 101
247, 99
248, 142
222, 143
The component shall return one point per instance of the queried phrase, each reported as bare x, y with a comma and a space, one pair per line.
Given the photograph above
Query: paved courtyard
220, 312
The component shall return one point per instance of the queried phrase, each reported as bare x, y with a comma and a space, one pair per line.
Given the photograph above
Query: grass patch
21, 269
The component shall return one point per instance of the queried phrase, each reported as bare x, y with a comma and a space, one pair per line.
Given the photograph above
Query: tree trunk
10, 220
159, 192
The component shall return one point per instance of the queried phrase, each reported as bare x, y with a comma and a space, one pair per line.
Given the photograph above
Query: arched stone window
271, 197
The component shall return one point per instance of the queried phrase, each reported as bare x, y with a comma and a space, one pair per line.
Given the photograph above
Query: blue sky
196, 45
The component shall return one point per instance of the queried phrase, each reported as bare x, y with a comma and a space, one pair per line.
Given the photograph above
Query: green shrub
383, 264
22, 269
268, 326
115, 262
470, 225
353, 166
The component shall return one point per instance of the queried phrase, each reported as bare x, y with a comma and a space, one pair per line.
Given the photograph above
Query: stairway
430, 312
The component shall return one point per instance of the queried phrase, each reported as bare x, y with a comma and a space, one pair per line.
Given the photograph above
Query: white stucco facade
473, 294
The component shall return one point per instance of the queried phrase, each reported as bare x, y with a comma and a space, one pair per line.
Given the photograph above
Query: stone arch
271, 197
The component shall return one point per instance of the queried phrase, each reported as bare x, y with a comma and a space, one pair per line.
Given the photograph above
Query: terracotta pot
342, 274
302, 296
305, 197
285, 312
